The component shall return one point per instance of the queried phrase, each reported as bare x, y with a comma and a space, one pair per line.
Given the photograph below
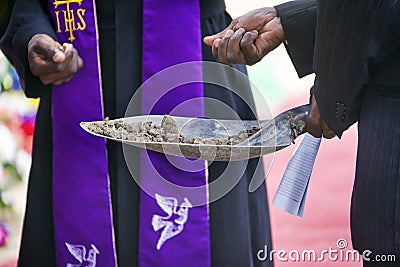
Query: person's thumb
58, 54
209, 40
53, 50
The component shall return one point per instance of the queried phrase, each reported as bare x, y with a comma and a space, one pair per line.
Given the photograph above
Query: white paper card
292, 190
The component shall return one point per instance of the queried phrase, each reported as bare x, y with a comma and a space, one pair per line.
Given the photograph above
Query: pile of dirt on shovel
168, 131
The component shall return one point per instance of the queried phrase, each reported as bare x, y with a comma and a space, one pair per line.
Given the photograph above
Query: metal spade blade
270, 135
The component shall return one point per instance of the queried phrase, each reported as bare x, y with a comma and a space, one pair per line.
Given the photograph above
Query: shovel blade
272, 135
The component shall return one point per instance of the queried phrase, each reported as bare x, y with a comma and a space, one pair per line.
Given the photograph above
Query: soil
168, 131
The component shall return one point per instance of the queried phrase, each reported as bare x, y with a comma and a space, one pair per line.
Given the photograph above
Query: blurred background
326, 218
17, 118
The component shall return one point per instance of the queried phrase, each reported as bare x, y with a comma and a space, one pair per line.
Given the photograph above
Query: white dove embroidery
172, 227
79, 252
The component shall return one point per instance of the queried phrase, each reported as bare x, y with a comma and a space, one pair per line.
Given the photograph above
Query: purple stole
83, 226
174, 222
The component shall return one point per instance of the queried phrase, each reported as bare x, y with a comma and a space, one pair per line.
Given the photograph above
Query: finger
209, 40
39, 66
76, 63
52, 78
326, 131
215, 48
59, 77
234, 54
65, 70
313, 120
311, 94
52, 51
38, 63
65, 64
60, 55
80, 63
66, 76
68, 79
248, 47
271, 37
313, 127
76, 59
328, 135
39, 60
67, 46
223, 46
58, 82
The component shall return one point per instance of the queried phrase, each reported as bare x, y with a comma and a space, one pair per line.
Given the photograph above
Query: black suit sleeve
29, 17
299, 20
5, 12
353, 40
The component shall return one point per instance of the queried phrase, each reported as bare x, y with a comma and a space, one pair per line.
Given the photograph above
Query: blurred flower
8, 145
8, 75
17, 119
3, 234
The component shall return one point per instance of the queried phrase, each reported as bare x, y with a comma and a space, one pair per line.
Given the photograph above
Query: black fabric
239, 221
353, 39
37, 233
5, 12
390, 68
246, 213
300, 37
210, 8
375, 213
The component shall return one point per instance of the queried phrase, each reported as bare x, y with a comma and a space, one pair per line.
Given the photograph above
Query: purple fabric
81, 196
171, 35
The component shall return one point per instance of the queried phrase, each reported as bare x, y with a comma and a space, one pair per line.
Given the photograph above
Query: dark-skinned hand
248, 38
52, 62
316, 126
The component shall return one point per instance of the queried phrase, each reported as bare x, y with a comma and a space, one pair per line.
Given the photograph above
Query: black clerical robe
239, 222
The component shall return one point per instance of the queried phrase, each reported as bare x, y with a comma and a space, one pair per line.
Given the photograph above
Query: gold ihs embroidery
69, 19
